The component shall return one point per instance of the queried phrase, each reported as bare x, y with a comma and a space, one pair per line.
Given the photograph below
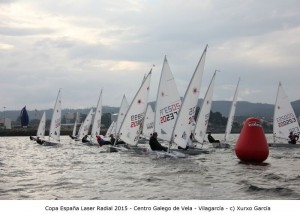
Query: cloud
87, 45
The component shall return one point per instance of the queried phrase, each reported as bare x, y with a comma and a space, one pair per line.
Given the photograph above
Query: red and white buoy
252, 144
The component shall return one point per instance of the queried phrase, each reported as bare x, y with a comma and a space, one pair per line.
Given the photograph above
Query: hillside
243, 109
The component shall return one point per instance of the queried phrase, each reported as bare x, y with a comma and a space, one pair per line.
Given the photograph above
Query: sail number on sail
137, 119
57, 123
286, 119
168, 113
192, 112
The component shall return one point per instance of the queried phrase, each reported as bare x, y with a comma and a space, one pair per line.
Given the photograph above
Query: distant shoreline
32, 132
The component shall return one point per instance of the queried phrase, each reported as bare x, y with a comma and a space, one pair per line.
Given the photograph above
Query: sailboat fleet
173, 118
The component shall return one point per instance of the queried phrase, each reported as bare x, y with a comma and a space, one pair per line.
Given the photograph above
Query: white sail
42, 127
111, 129
122, 111
285, 120
55, 125
203, 115
75, 125
131, 126
97, 119
85, 126
148, 125
74, 129
167, 103
185, 120
231, 114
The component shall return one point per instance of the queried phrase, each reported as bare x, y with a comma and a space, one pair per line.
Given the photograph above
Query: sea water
74, 171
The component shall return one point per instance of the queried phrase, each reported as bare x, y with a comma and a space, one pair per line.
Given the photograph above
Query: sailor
100, 140
293, 138
211, 139
39, 141
112, 139
85, 139
155, 145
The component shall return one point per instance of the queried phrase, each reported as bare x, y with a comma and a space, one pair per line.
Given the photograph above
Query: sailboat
85, 126
284, 121
96, 121
185, 121
54, 132
111, 129
224, 143
74, 135
24, 117
168, 103
40, 134
203, 115
121, 115
131, 125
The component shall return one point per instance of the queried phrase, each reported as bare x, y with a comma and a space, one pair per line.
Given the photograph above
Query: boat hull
192, 151
221, 145
284, 145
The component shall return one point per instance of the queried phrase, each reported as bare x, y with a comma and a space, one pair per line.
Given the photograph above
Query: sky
84, 46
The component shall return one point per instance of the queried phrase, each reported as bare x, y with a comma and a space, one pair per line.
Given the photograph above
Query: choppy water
74, 171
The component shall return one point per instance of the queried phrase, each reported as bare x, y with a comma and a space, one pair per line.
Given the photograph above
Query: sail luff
231, 113
274, 114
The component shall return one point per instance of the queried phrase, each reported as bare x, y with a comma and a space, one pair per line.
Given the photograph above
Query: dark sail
24, 117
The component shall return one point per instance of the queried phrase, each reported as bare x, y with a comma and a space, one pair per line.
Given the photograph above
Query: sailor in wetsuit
211, 139
293, 138
155, 145
85, 139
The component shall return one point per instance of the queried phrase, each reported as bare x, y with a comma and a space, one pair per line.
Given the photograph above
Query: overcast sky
83, 46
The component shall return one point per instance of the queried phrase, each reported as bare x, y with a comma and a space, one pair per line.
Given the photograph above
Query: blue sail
24, 117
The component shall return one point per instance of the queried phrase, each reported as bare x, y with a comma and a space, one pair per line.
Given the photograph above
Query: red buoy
252, 144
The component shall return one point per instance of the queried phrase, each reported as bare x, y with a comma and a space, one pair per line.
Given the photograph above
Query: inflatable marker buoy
252, 144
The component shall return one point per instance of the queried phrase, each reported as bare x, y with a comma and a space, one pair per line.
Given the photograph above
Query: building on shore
5, 123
